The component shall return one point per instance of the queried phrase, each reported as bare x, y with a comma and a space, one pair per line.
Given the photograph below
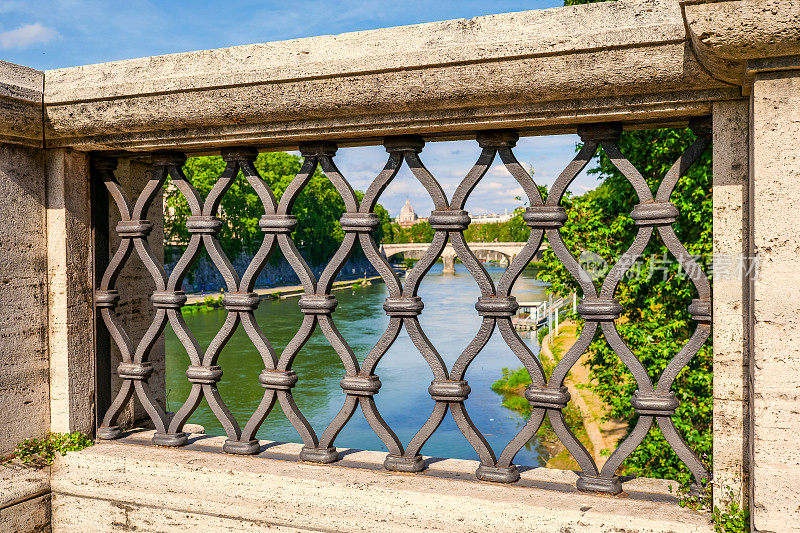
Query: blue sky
46, 34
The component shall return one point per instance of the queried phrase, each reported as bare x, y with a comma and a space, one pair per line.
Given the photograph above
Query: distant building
407, 217
491, 218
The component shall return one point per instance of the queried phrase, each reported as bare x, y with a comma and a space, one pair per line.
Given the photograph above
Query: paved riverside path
604, 435
284, 291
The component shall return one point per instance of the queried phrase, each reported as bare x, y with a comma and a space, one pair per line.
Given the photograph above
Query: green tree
419, 232
656, 323
318, 207
514, 230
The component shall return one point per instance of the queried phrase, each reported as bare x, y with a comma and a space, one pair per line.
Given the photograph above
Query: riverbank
214, 299
584, 414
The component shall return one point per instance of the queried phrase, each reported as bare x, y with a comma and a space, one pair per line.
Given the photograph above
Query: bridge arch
508, 249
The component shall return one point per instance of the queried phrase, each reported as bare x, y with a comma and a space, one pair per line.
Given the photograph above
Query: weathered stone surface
29, 516
24, 498
776, 301
19, 483
733, 38
531, 69
20, 104
109, 484
24, 365
69, 266
730, 302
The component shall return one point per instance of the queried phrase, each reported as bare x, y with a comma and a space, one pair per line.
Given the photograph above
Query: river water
450, 321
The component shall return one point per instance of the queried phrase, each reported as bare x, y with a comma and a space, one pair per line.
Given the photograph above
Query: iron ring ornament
449, 390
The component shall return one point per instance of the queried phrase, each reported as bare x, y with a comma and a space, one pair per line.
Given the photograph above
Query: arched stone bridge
508, 250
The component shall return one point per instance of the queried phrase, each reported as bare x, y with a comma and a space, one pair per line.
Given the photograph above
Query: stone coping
146, 487
735, 39
506, 36
20, 104
543, 71
641, 62
19, 483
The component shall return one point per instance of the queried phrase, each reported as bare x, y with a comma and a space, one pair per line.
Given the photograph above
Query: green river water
449, 320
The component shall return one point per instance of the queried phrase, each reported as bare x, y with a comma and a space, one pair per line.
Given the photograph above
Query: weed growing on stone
42, 452
731, 517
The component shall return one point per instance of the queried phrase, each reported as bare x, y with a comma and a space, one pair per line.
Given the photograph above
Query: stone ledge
154, 489
735, 39
24, 498
19, 483
535, 70
20, 104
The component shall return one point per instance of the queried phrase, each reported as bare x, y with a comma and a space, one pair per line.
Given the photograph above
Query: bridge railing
547, 395
728, 69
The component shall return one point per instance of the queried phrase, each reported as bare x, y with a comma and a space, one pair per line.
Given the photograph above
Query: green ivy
42, 452
731, 517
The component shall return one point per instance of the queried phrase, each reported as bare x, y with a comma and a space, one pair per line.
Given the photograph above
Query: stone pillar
135, 286
755, 44
731, 305
71, 274
776, 301
24, 366
449, 262
69, 269
24, 393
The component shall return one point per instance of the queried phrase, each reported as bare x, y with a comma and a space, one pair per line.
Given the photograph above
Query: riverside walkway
284, 291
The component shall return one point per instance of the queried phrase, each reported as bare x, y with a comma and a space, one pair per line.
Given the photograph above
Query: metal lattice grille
547, 396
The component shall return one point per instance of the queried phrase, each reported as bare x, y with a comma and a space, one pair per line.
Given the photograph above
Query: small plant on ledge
42, 452
731, 517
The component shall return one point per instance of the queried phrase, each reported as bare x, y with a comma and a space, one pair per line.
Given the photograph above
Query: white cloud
27, 35
499, 171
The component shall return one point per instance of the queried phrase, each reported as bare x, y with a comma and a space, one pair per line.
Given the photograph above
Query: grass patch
209, 303
42, 452
542, 333
512, 387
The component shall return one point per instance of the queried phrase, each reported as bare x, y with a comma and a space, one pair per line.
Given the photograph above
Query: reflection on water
449, 320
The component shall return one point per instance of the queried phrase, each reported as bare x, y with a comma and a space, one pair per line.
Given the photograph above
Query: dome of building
407, 215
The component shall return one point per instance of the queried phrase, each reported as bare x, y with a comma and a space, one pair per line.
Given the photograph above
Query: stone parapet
21, 90
633, 63
114, 483
542, 70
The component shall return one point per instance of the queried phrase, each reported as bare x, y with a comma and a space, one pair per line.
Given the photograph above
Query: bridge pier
508, 250
449, 262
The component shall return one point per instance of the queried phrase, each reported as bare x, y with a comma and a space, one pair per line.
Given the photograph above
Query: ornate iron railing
547, 395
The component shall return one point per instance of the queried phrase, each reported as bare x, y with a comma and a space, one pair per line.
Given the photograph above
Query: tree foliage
318, 207
419, 232
514, 230
655, 295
